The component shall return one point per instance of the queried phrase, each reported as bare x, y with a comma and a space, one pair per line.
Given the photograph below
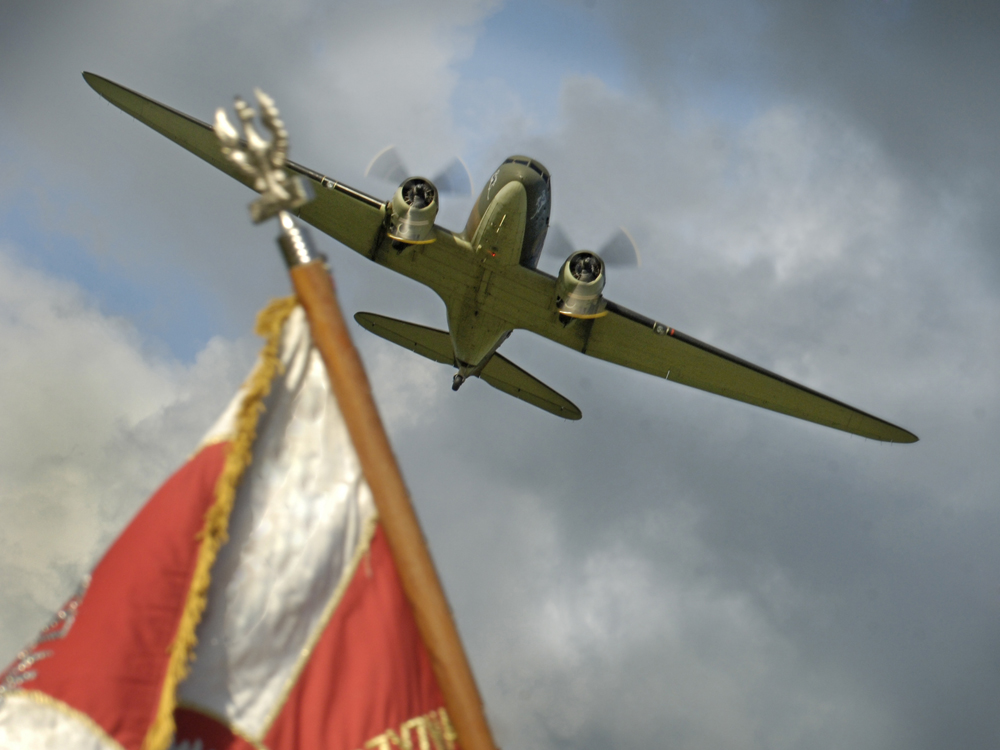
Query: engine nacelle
414, 207
579, 286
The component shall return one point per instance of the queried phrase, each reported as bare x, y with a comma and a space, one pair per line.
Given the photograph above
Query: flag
252, 603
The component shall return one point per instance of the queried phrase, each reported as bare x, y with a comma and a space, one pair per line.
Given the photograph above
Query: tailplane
499, 371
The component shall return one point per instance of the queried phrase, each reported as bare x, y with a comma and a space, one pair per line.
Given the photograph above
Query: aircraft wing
635, 341
345, 214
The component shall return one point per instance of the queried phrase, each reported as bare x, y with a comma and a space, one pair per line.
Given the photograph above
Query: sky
812, 186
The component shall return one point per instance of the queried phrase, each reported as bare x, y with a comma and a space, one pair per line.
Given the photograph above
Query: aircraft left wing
346, 214
640, 343
525, 297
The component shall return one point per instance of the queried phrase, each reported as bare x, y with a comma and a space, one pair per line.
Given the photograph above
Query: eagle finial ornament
260, 159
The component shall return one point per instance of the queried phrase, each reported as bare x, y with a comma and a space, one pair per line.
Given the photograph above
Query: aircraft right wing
346, 214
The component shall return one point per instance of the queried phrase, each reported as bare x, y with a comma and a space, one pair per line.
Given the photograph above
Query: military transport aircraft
487, 276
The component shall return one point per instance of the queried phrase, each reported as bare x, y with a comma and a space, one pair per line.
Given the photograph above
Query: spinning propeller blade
454, 179
388, 165
619, 250
557, 243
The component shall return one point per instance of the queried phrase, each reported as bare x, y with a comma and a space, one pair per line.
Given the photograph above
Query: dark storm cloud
918, 76
924, 75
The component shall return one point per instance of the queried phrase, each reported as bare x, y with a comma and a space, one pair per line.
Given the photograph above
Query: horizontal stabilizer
499, 372
505, 376
427, 342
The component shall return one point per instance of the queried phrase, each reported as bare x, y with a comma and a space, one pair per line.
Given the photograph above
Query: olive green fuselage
506, 228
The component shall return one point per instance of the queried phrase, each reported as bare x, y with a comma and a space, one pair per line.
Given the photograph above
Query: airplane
487, 276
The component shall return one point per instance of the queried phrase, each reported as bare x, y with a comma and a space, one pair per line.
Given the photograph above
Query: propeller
619, 250
388, 165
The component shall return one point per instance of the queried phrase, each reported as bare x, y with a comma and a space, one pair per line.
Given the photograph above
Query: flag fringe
215, 532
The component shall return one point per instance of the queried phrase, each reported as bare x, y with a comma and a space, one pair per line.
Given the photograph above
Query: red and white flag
299, 631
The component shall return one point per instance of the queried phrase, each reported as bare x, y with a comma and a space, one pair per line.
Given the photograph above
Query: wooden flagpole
315, 290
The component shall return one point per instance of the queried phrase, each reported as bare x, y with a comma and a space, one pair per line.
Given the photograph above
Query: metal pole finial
263, 161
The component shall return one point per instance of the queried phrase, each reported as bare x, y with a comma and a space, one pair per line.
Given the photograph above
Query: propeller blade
387, 165
454, 179
620, 250
558, 243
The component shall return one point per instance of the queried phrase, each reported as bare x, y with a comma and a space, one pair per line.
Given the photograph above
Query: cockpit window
530, 164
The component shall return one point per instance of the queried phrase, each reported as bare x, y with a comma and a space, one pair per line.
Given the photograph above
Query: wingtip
899, 436
100, 84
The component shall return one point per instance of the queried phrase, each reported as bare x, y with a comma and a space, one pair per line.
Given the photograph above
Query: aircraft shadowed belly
476, 332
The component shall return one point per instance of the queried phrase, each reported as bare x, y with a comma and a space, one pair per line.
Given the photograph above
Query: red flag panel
109, 660
369, 672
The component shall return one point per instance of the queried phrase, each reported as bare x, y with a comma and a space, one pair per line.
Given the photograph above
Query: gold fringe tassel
215, 533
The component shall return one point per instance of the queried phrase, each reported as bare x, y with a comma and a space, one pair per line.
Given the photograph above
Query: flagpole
315, 290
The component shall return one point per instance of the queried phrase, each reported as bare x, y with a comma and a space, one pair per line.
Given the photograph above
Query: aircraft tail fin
499, 372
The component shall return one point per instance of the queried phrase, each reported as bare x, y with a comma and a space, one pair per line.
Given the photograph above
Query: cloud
92, 423
340, 74
760, 609
915, 77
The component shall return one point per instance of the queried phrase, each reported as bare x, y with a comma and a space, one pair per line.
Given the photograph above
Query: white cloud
407, 387
92, 422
